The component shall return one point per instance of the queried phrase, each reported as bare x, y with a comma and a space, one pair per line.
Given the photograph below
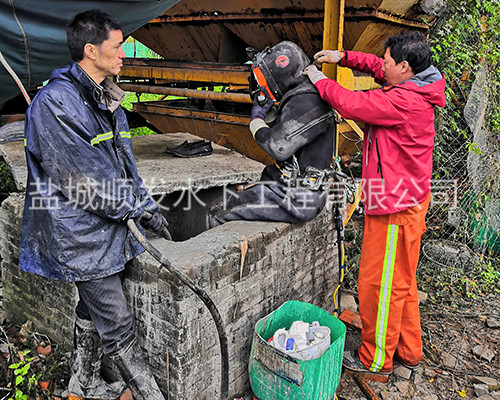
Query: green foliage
459, 285
134, 48
131, 98
25, 379
467, 34
127, 103
7, 183
141, 131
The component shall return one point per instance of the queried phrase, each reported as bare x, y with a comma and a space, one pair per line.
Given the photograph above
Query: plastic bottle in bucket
303, 341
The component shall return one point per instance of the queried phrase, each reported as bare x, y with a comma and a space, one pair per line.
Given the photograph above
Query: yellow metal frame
333, 39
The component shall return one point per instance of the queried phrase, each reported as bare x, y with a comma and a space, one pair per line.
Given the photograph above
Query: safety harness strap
312, 178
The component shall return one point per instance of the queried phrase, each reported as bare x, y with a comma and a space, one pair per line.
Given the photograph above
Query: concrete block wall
48, 304
283, 262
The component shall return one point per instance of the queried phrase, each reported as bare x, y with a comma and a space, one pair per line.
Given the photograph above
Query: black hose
201, 294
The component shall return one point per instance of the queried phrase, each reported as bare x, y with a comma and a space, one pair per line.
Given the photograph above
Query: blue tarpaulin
33, 36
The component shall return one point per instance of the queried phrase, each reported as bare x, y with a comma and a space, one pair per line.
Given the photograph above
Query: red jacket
399, 132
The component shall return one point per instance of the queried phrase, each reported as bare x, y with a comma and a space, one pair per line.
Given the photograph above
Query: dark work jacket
82, 183
313, 147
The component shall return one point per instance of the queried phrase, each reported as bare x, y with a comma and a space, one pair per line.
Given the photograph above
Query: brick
283, 262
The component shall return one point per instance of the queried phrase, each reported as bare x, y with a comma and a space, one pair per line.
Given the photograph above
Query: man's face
110, 55
392, 71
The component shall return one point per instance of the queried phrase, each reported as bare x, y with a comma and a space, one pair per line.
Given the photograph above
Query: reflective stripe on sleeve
101, 138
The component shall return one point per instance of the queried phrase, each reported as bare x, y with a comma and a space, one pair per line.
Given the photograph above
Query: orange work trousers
387, 288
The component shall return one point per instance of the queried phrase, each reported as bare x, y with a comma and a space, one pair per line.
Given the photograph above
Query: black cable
203, 297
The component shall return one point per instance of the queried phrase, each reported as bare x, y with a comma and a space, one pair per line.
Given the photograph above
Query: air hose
340, 251
224, 385
339, 225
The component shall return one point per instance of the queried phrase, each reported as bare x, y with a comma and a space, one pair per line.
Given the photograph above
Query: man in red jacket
397, 167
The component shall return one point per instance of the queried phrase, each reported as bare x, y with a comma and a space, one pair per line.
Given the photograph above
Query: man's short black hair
90, 26
412, 48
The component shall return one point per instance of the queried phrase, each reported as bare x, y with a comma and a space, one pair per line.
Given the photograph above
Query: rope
25, 40
15, 77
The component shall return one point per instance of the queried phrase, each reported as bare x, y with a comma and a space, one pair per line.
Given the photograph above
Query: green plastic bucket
274, 375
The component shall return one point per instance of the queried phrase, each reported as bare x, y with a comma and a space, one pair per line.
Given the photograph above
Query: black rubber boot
136, 372
86, 381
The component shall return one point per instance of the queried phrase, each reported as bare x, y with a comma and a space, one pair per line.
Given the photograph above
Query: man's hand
156, 223
260, 111
313, 73
328, 56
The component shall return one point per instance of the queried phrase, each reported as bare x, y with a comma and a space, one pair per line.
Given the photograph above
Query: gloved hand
327, 56
260, 111
156, 223
313, 73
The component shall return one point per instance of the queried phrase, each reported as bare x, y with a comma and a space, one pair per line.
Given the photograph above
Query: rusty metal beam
187, 72
190, 93
164, 109
385, 17
236, 17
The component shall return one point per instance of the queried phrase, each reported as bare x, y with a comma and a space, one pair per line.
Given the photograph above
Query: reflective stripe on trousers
385, 297
388, 296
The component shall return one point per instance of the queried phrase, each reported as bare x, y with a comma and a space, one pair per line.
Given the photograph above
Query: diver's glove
260, 111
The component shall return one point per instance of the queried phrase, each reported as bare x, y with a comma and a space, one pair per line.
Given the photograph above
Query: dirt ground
461, 360
459, 352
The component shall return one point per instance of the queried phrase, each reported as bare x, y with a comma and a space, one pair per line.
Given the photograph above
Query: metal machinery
204, 43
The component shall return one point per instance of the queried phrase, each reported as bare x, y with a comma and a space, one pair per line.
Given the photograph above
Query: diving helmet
279, 69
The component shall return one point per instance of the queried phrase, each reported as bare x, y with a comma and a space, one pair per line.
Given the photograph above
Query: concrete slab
163, 173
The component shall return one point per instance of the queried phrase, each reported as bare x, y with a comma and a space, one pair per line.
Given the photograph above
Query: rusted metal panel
219, 17
383, 16
163, 108
185, 72
182, 42
398, 7
374, 35
228, 130
361, 3
350, 142
226, 41
240, 6
217, 31
259, 34
352, 32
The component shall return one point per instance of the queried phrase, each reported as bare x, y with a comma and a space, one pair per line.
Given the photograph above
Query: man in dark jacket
397, 168
82, 188
298, 134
